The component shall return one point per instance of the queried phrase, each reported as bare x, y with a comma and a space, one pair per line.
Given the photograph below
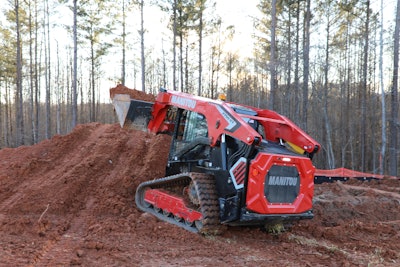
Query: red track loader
228, 164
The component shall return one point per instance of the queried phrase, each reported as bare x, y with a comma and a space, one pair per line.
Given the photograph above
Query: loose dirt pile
70, 201
133, 93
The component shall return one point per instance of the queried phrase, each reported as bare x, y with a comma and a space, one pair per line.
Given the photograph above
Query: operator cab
190, 143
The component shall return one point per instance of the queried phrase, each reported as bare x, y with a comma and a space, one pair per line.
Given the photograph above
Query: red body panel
172, 204
259, 167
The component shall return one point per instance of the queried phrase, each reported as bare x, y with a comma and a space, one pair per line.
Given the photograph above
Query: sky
239, 13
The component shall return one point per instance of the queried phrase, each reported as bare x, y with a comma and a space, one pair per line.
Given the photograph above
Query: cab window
195, 126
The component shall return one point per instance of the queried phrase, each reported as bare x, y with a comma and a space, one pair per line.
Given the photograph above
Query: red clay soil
133, 93
70, 201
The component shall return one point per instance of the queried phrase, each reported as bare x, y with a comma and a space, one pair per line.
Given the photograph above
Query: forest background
329, 66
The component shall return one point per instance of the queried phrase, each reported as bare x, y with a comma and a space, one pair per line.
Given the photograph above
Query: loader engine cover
282, 184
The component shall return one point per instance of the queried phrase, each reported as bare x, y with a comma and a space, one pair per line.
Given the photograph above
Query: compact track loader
228, 164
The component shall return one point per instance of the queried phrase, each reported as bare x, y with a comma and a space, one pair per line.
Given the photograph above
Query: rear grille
282, 184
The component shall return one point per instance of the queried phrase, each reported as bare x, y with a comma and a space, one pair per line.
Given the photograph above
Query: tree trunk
306, 60
92, 83
164, 67
289, 98
31, 76
75, 72
47, 70
123, 43
181, 74
18, 96
58, 94
199, 89
272, 57
364, 91
296, 70
383, 104
174, 47
393, 123
142, 46
37, 64
329, 148
7, 124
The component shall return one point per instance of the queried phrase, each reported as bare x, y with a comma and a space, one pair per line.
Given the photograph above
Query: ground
70, 201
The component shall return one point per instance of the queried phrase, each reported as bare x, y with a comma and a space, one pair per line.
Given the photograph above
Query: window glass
195, 126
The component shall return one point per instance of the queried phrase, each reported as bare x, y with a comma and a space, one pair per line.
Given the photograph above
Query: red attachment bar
278, 127
172, 204
346, 173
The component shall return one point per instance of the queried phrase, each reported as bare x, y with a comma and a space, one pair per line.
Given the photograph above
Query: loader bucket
132, 113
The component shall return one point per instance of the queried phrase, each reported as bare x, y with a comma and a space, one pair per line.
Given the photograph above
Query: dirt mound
70, 201
134, 94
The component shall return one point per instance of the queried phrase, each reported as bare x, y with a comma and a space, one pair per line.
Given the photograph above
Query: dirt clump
69, 200
133, 93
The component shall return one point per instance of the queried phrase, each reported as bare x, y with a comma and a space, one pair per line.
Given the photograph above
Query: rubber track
206, 191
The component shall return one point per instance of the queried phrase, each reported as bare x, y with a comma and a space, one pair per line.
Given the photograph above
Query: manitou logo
282, 181
186, 102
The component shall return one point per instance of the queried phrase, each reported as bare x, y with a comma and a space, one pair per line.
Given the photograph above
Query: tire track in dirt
374, 190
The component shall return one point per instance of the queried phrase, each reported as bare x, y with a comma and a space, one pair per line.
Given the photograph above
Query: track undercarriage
188, 200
